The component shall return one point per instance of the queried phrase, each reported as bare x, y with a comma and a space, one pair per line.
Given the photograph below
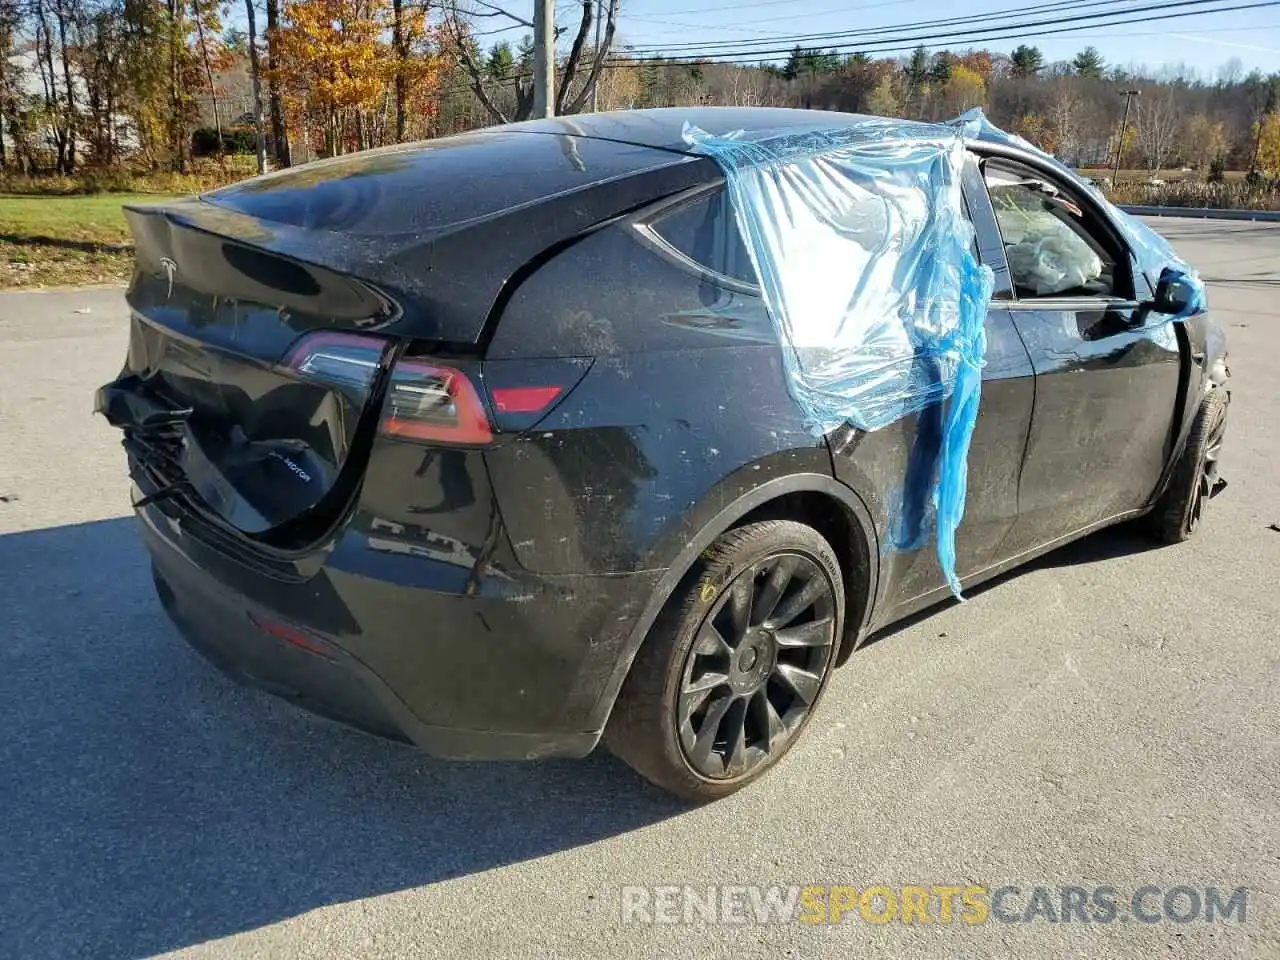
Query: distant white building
33, 87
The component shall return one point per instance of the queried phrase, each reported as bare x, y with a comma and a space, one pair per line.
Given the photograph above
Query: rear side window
704, 230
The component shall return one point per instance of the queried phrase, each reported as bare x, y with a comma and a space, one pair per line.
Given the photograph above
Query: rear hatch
250, 377
267, 316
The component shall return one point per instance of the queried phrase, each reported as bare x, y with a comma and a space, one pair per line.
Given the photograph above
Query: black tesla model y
486, 444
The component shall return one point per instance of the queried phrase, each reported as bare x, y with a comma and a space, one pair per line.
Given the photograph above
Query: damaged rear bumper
430, 682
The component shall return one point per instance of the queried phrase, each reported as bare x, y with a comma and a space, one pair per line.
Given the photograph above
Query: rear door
995, 451
1107, 380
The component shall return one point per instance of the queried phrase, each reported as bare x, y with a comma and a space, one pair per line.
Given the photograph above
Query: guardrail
1202, 213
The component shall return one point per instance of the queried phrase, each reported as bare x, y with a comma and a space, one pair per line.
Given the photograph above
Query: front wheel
1177, 514
733, 669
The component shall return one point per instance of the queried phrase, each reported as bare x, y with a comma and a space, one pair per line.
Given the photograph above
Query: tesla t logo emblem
169, 268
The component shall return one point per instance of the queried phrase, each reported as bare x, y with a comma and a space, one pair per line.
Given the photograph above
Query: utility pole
544, 58
1124, 124
595, 79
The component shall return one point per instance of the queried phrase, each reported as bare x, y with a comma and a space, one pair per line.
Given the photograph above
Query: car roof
425, 188
662, 128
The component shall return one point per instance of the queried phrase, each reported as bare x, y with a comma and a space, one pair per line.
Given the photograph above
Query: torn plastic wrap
866, 264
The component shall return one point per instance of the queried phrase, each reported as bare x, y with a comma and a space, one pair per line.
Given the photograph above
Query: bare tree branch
462, 49
575, 53
499, 12
606, 43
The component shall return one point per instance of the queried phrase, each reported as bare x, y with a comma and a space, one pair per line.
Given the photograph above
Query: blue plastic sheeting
866, 264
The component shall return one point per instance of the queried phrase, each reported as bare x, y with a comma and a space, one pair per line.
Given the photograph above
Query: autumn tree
255, 74
883, 101
1267, 132
963, 90
619, 86
213, 53
53, 67
329, 67
275, 107
13, 117
100, 61
337, 68
1032, 127
980, 62
1203, 140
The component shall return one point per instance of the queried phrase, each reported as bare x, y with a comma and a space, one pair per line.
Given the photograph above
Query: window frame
1099, 227
645, 227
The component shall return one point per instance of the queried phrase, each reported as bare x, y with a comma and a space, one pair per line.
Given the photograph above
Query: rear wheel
731, 673
1177, 514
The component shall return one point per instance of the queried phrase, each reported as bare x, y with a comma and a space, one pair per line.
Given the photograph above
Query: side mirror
1176, 294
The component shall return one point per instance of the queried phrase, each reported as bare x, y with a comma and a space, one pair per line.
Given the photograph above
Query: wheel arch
833, 509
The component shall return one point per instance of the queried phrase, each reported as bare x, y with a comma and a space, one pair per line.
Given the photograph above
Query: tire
1176, 515
671, 722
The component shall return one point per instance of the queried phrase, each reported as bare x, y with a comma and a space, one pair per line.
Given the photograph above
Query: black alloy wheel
734, 667
757, 665
1197, 477
1209, 479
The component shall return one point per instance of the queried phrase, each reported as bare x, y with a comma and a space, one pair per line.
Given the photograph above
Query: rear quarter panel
686, 400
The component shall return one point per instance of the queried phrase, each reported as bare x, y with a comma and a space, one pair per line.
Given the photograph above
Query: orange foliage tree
341, 76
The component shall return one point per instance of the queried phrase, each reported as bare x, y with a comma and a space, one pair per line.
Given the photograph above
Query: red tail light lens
523, 399
291, 635
344, 360
428, 401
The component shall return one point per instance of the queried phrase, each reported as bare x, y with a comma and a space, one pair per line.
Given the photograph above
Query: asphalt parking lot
1110, 716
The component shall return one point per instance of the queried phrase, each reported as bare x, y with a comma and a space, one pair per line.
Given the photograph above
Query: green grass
60, 241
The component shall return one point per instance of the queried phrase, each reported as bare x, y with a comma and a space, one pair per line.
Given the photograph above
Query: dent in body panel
601, 482
441, 608
621, 461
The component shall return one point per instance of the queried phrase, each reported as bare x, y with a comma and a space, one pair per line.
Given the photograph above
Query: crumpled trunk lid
247, 407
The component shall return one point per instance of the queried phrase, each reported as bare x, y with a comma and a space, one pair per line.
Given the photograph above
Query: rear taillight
345, 360
471, 403
428, 401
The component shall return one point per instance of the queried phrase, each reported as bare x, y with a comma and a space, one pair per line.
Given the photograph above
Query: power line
997, 32
774, 3
747, 23
1120, 6
687, 62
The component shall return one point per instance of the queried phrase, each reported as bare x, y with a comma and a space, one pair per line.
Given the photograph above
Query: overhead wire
1119, 7
962, 35
907, 43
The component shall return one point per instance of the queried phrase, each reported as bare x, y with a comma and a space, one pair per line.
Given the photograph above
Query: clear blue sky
1203, 42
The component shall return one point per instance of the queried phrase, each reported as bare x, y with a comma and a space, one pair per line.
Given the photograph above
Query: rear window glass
705, 231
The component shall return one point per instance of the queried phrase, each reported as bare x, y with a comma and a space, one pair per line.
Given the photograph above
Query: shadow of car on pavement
152, 804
